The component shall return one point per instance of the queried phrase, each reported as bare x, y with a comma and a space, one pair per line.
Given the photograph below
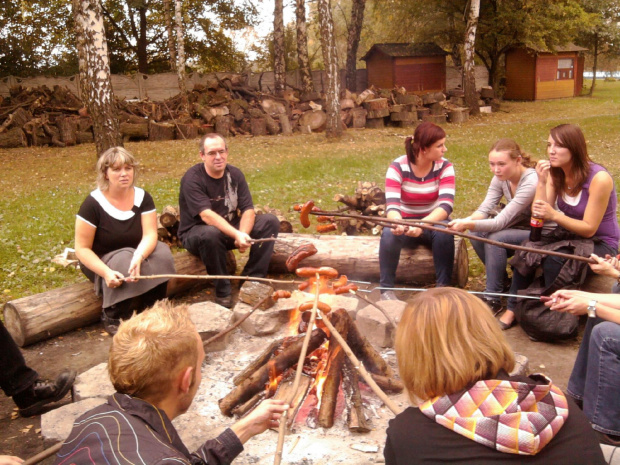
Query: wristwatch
592, 309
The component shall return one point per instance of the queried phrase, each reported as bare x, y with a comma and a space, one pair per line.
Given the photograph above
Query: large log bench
48, 314
358, 258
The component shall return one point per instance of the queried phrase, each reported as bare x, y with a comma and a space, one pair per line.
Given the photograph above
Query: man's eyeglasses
216, 152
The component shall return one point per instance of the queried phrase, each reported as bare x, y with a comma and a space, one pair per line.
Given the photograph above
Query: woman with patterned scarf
467, 408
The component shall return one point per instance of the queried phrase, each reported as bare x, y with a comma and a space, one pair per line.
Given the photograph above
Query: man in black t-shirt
217, 214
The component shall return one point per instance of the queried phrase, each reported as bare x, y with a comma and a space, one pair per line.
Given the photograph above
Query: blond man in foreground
155, 366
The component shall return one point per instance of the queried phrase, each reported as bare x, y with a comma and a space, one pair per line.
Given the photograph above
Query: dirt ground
86, 347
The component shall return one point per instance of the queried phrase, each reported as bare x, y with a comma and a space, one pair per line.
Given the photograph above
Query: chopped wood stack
369, 200
42, 116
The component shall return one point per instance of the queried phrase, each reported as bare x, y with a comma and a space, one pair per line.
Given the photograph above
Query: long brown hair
425, 135
513, 150
570, 137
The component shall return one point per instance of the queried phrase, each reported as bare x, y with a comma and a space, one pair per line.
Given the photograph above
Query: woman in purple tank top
586, 203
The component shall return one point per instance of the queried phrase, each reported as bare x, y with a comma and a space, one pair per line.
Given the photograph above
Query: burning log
364, 350
335, 362
258, 362
353, 398
294, 399
256, 382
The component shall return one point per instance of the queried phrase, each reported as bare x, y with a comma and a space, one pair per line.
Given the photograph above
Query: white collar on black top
112, 210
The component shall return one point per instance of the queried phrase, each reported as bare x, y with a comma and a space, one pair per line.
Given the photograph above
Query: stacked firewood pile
168, 223
42, 116
368, 200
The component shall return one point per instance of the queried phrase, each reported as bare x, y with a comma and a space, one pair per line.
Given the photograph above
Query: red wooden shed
419, 68
540, 74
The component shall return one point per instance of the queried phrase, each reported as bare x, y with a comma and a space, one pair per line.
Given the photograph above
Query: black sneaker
33, 400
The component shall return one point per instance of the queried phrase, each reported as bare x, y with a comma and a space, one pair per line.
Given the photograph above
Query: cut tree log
437, 119
258, 126
314, 119
223, 124
256, 382
285, 123
375, 123
358, 258
13, 138
408, 116
186, 131
258, 362
67, 127
436, 109
359, 117
135, 130
458, 115
84, 137
335, 363
353, 398
41, 316
161, 131
374, 114
376, 105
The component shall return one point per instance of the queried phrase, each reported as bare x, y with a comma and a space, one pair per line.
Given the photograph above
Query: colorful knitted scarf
509, 416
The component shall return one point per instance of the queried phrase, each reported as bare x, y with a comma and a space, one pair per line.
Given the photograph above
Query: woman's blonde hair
150, 349
112, 157
513, 150
446, 341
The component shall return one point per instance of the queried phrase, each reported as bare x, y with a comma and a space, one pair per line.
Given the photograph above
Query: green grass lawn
41, 188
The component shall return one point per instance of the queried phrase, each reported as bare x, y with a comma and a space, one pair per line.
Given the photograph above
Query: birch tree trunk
302, 47
332, 94
170, 31
353, 40
469, 73
95, 80
279, 65
180, 49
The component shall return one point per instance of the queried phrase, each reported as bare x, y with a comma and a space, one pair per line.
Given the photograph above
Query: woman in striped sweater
418, 186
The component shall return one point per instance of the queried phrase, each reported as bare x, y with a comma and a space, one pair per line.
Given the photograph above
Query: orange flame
274, 379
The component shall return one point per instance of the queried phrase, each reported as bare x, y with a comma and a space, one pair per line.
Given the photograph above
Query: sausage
346, 289
320, 305
305, 211
300, 253
310, 272
325, 228
303, 285
342, 281
297, 208
280, 294
324, 219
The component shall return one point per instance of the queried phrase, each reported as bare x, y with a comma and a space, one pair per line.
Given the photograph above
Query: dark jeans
595, 379
442, 246
211, 245
15, 375
551, 267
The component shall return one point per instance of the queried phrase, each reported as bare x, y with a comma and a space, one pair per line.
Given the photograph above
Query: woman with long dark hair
418, 186
586, 202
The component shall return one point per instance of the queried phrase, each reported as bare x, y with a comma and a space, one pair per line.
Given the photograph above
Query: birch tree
172, 53
469, 68
307, 84
279, 65
95, 81
328, 45
353, 40
178, 16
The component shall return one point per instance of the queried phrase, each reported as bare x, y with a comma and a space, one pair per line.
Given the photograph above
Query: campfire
330, 384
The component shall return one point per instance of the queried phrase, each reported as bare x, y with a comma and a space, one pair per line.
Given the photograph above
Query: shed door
420, 77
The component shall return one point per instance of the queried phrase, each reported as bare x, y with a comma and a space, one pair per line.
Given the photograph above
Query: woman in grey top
515, 181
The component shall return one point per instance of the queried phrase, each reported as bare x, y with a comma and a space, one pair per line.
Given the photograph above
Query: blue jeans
495, 258
595, 379
442, 246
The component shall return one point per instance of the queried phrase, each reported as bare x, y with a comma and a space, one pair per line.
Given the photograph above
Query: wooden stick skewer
225, 331
360, 367
424, 224
208, 276
43, 454
300, 365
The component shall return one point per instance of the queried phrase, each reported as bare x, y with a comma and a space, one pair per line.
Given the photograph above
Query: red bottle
536, 227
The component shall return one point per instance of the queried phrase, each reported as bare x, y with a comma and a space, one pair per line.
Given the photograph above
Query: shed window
565, 68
